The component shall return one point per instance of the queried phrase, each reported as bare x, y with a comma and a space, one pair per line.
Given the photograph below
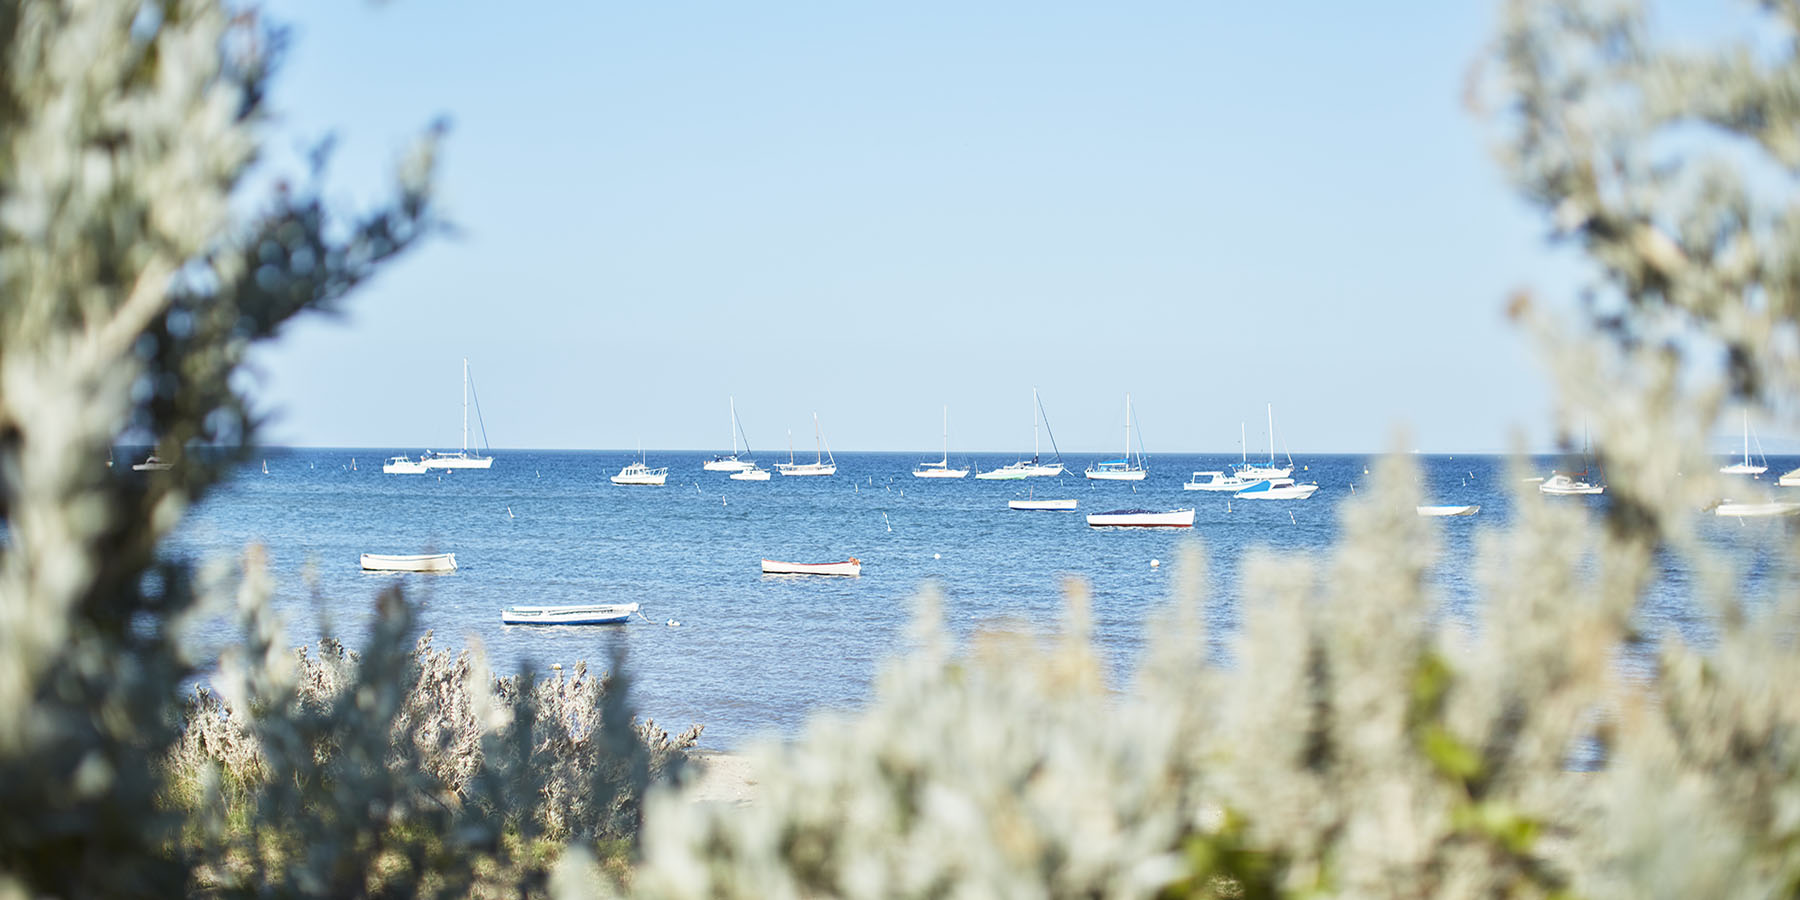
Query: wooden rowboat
589, 614
851, 566
425, 562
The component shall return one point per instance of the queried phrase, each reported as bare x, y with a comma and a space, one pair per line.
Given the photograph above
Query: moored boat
1277, 489
732, 462
941, 469
583, 614
1757, 510
1142, 518
1217, 481
1010, 472
1468, 510
638, 473
823, 462
152, 463
1124, 468
464, 458
1789, 479
1034, 467
1560, 485
754, 473
1747, 467
851, 566
420, 562
399, 465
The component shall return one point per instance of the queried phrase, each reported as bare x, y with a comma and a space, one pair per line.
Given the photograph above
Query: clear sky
873, 211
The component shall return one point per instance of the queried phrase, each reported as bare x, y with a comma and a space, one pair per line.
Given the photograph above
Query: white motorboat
589, 614
940, 469
1757, 510
1561, 485
1123, 468
754, 473
1468, 510
1277, 489
422, 562
464, 458
1142, 518
1789, 479
851, 566
1253, 472
638, 473
823, 462
1041, 504
152, 463
1747, 467
733, 462
1217, 481
401, 465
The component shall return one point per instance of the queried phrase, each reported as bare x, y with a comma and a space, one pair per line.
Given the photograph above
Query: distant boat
1562, 485
940, 469
851, 566
1747, 467
1041, 504
1122, 469
152, 463
1757, 510
464, 458
1449, 510
754, 473
734, 462
265, 467
402, 465
1218, 481
638, 473
1142, 518
1277, 489
425, 562
1787, 479
591, 614
1034, 467
1011, 472
823, 463
1250, 471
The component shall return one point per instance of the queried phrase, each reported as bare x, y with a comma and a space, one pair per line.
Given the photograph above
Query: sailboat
1569, 484
1034, 467
1123, 468
1250, 471
461, 459
734, 462
940, 469
823, 462
1746, 467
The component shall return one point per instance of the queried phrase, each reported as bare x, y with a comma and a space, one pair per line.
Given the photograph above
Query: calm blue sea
757, 654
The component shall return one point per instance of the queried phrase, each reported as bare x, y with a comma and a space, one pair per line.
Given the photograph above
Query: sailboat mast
1271, 434
1746, 437
733, 424
1243, 445
1127, 454
1034, 421
818, 442
946, 437
465, 404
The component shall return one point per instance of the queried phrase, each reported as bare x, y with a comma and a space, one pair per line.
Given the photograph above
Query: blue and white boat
1124, 468
589, 614
1277, 489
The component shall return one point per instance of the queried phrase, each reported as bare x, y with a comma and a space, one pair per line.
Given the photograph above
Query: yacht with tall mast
823, 462
1034, 467
1250, 471
941, 469
1124, 468
464, 458
734, 462
1747, 467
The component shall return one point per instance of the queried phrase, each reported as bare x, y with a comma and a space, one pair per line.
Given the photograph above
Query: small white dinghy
423, 562
1041, 504
1142, 518
1757, 510
1469, 510
588, 614
851, 566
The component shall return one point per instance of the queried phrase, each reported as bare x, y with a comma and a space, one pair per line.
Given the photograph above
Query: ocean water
757, 654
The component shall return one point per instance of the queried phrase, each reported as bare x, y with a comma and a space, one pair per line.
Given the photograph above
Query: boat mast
733, 401
946, 436
1271, 434
1746, 438
818, 442
1034, 417
465, 405
1127, 454
1243, 445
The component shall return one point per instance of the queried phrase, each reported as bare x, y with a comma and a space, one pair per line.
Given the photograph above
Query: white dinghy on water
851, 566
420, 562
464, 458
733, 462
1123, 468
588, 614
1142, 518
1031, 502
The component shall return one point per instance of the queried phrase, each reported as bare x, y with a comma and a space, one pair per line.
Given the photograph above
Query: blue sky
874, 212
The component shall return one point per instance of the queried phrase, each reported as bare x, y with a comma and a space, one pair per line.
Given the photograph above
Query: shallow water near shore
756, 654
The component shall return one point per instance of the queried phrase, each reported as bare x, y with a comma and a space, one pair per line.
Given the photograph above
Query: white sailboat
464, 458
1574, 484
734, 462
823, 462
940, 469
1034, 467
1253, 472
1123, 468
1746, 467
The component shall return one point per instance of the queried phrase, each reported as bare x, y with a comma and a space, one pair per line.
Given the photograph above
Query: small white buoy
937, 556
1155, 562
674, 624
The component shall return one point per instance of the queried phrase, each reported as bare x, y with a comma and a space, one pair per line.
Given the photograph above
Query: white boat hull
732, 464
940, 473
803, 469
1041, 504
594, 614
751, 474
646, 480
1254, 473
458, 462
1743, 469
1449, 510
1275, 490
851, 566
1142, 518
1218, 482
1789, 479
1563, 486
403, 467
1115, 474
1044, 471
1757, 510
424, 562
1007, 474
